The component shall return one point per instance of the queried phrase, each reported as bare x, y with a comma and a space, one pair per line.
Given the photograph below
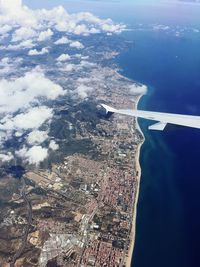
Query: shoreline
139, 171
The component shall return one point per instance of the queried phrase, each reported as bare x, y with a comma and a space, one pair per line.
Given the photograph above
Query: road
27, 227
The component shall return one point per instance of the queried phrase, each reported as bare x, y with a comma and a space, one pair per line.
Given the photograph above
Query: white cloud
35, 52
76, 67
5, 60
23, 33
113, 28
32, 119
22, 92
6, 157
34, 155
5, 66
81, 29
18, 133
13, 13
23, 45
63, 57
45, 35
62, 40
78, 55
10, 5
87, 64
94, 30
53, 145
37, 137
22, 108
8, 65
77, 44
23, 100
69, 67
83, 90
94, 24
136, 89
5, 29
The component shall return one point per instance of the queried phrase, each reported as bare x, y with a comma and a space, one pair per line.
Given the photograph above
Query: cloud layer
23, 110
35, 52
33, 155
28, 91
20, 93
41, 24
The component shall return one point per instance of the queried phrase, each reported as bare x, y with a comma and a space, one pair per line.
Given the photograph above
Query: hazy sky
50, 3
169, 11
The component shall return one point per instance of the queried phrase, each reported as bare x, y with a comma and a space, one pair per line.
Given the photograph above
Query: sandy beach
138, 170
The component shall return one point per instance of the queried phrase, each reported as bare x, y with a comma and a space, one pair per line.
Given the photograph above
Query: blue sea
168, 212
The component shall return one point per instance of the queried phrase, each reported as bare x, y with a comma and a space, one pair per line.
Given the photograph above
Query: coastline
138, 170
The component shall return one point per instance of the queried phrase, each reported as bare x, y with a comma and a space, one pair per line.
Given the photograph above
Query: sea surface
168, 212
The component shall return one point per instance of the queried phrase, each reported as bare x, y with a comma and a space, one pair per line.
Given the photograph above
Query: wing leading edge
162, 118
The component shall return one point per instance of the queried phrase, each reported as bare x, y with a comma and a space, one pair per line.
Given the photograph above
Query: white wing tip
108, 108
159, 126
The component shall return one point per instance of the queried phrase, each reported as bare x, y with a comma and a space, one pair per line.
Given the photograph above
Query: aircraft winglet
162, 118
108, 108
159, 126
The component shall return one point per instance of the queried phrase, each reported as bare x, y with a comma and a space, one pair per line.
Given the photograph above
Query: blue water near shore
168, 212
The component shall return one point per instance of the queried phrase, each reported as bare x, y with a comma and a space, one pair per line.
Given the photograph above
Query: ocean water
168, 212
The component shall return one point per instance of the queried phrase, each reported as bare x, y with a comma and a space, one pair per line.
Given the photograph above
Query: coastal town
104, 192
83, 208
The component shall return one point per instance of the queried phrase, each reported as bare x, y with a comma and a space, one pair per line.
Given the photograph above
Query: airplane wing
162, 118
